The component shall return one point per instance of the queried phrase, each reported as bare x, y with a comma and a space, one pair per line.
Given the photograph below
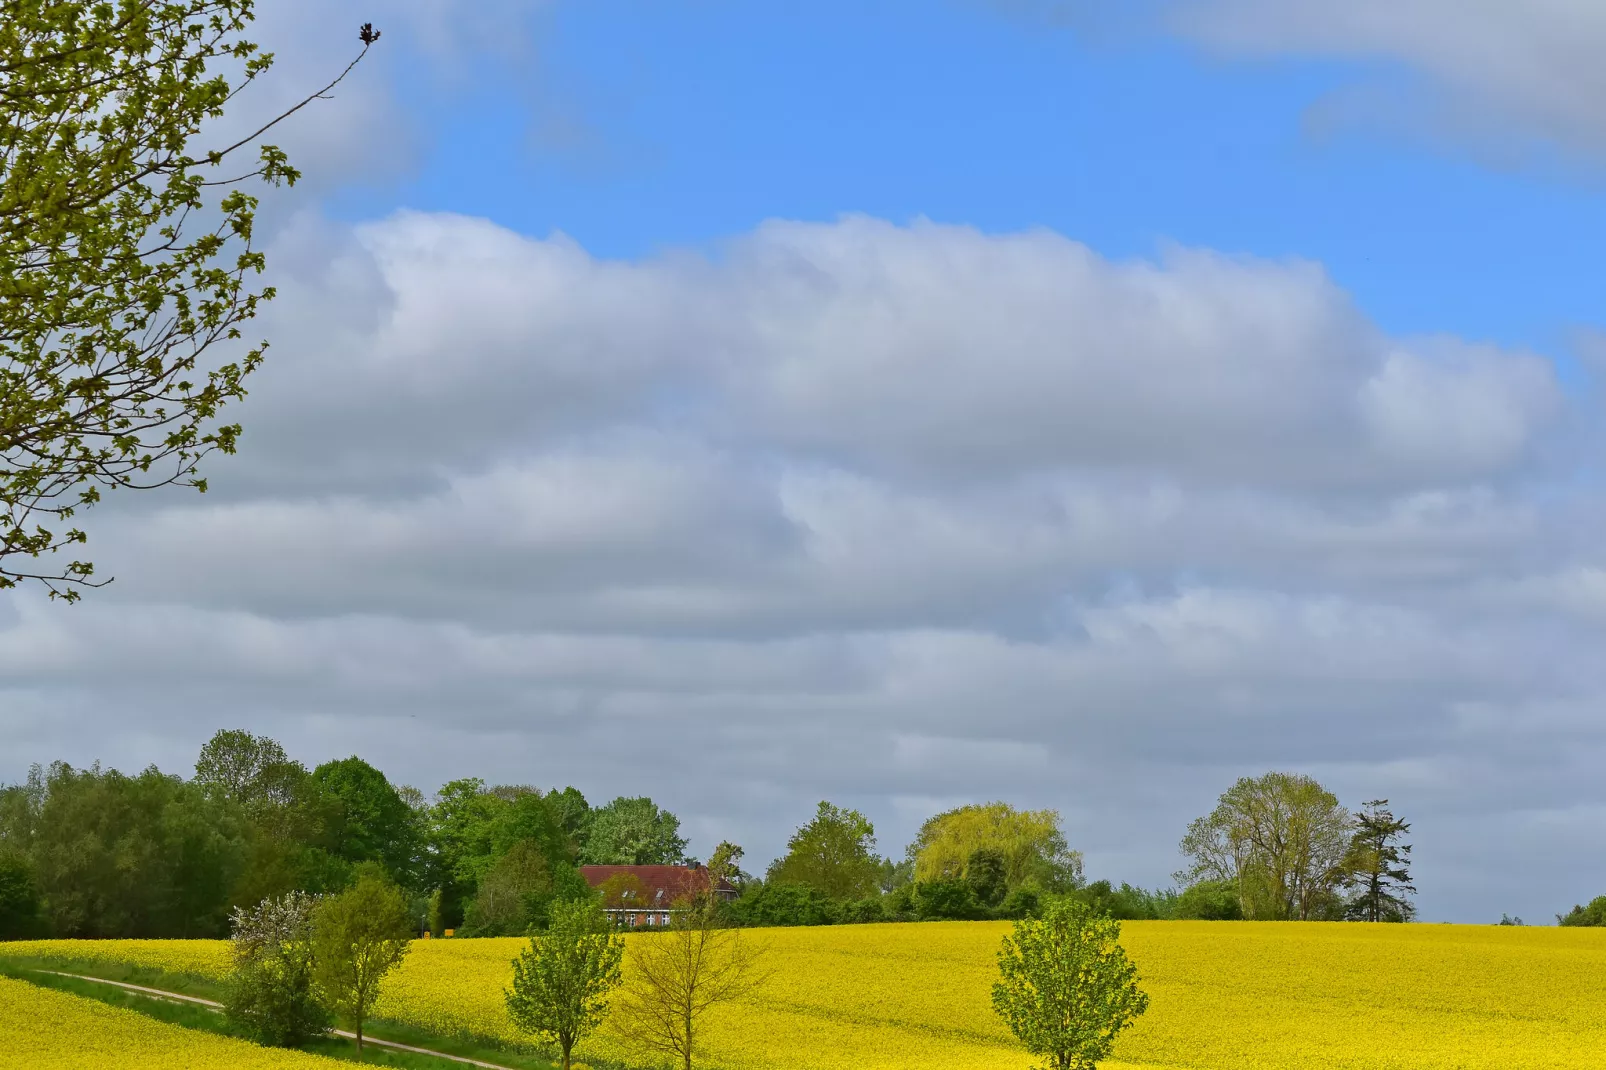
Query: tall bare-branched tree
676, 976
125, 255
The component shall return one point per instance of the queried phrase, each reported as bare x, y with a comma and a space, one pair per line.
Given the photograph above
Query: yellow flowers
201, 958
1223, 996
46, 1030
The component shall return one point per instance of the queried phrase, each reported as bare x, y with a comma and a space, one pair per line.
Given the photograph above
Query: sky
907, 404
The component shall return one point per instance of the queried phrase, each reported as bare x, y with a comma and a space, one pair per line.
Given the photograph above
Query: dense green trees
833, 854
632, 832
1593, 914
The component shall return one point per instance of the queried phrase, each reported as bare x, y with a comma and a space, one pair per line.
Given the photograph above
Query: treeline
96, 853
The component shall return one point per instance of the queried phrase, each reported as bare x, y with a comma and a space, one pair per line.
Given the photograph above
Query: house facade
645, 896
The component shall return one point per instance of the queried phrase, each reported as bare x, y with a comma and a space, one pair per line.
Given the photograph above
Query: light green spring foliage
106, 303
1066, 988
358, 937
562, 981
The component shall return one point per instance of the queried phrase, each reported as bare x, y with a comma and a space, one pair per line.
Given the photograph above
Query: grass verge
192, 1016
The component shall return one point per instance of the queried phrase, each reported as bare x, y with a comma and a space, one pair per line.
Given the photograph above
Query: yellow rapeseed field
1224, 996
42, 1029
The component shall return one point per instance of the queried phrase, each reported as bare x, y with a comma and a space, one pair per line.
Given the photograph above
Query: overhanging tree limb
107, 306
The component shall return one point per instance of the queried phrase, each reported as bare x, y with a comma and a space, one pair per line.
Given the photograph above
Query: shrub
862, 911
1023, 902
950, 898
783, 904
1210, 901
269, 996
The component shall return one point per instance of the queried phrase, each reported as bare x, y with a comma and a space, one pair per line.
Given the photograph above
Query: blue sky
929, 403
641, 126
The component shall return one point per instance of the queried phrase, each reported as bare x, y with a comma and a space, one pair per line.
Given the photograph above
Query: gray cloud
1507, 79
898, 516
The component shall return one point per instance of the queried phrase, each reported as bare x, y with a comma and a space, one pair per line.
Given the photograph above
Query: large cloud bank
896, 515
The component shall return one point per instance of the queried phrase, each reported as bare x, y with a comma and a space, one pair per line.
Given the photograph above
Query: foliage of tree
633, 832
678, 974
563, 980
573, 815
369, 821
1128, 903
1379, 866
1066, 988
622, 891
950, 898
358, 937
1282, 838
1031, 842
20, 915
1210, 900
107, 305
269, 996
834, 854
987, 876
764, 903
120, 856
1593, 914
725, 864
511, 893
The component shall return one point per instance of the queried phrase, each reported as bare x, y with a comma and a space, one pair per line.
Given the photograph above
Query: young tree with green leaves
107, 304
834, 853
1379, 866
358, 937
562, 981
1065, 987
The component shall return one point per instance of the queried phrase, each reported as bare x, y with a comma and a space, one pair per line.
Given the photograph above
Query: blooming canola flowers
42, 1029
1223, 996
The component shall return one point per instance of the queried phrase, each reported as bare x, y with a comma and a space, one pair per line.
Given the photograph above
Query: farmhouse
637, 896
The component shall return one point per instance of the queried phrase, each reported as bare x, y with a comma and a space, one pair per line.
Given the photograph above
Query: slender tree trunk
568, 1043
688, 1037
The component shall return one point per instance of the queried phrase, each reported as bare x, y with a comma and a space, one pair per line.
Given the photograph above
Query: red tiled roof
674, 881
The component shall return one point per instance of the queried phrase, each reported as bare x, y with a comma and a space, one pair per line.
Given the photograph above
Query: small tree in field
698, 963
1066, 987
359, 936
562, 981
270, 995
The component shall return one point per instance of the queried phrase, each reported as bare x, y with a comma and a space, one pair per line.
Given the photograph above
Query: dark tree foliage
121, 856
951, 898
1593, 914
1210, 901
1128, 903
20, 917
764, 903
369, 821
986, 874
1379, 866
